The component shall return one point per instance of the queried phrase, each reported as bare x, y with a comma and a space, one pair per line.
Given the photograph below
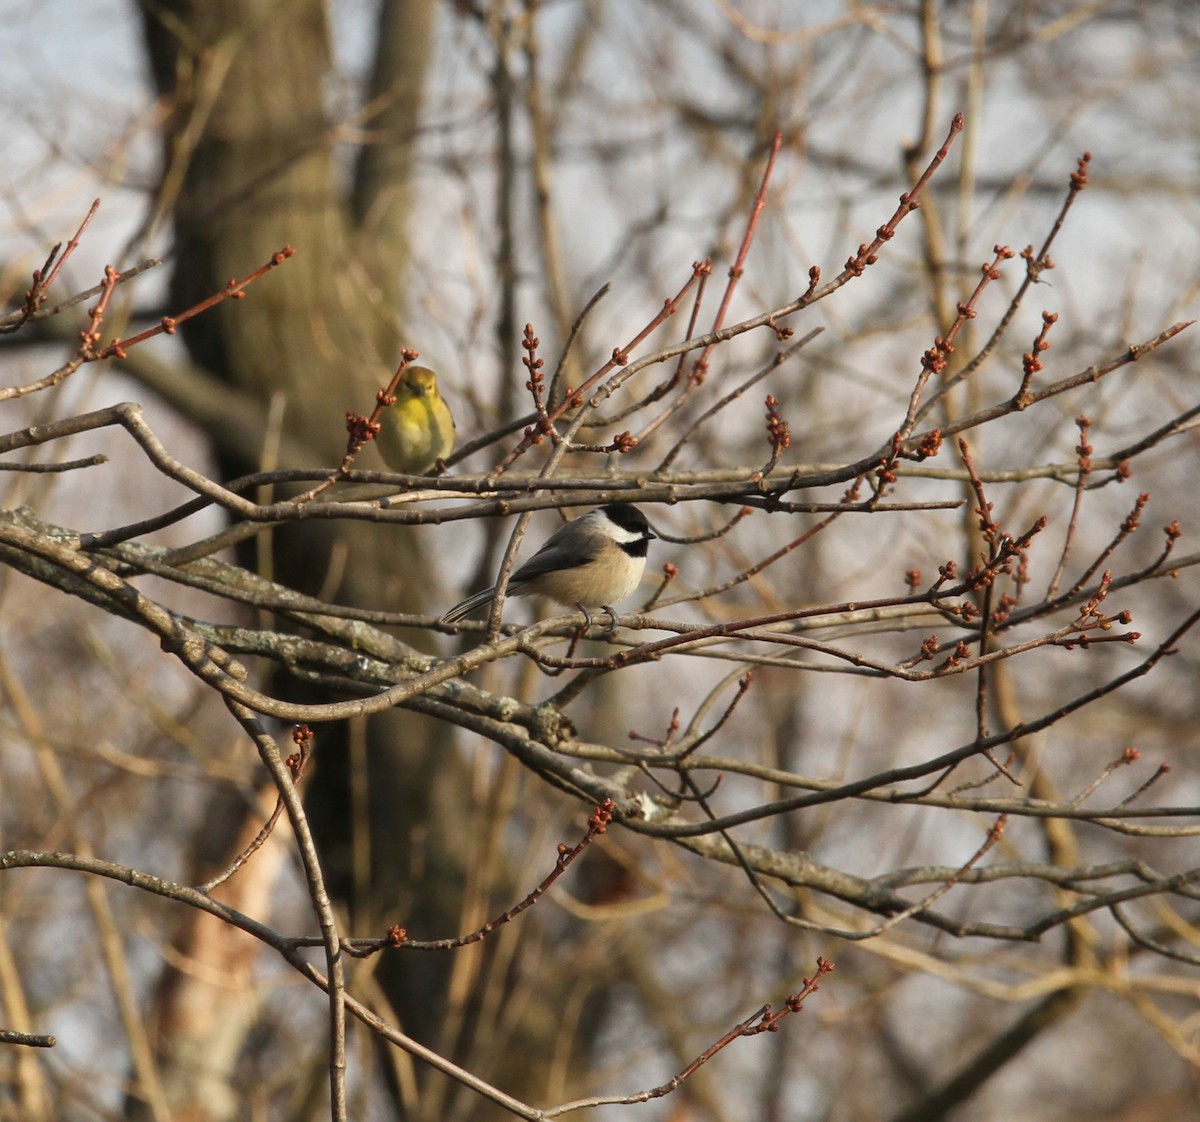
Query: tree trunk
249, 167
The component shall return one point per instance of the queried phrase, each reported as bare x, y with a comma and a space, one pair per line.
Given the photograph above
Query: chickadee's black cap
628, 517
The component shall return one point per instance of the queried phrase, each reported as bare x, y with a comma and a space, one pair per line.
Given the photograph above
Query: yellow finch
418, 430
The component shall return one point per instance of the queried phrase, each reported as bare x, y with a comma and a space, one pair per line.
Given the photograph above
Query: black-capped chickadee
591, 562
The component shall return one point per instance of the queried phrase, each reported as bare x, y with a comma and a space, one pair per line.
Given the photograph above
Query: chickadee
588, 563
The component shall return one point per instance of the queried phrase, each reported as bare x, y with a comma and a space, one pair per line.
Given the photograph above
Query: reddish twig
574, 398
657, 393
1001, 555
989, 529
536, 384
663, 742
669, 573
993, 836
934, 361
44, 277
1127, 758
90, 335
699, 369
743, 687
850, 496
868, 254
1031, 364
43, 286
89, 339
737, 270
779, 437
234, 290
763, 1020
1159, 772
360, 430
1173, 533
302, 737
556, 387
1130, 525
1035, 265
13, 321
706, 535
397, 937
714, 410
1083, 453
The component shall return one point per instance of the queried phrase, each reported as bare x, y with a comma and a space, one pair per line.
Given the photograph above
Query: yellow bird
418, 430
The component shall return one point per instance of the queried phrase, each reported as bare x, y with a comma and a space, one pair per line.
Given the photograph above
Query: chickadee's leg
588, 620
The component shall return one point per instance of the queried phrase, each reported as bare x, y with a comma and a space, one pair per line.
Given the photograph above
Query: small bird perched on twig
418, 430
591, 562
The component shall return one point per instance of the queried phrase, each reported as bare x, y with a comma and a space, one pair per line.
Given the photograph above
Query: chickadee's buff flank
591, 562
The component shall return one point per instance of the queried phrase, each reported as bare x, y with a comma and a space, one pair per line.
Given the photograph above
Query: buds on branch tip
1079, 177
360, 429
930, 446
601, 817
778, 433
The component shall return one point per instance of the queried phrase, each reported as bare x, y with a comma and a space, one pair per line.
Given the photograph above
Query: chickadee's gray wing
558, 553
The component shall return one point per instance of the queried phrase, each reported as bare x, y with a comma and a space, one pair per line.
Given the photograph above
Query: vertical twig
269, 754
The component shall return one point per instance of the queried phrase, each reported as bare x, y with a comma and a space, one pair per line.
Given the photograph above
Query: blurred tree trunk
249, 166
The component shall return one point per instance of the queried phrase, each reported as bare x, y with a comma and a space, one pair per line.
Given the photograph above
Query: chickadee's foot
589, 619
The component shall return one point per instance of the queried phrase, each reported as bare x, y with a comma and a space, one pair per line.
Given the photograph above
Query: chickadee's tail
470, 604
